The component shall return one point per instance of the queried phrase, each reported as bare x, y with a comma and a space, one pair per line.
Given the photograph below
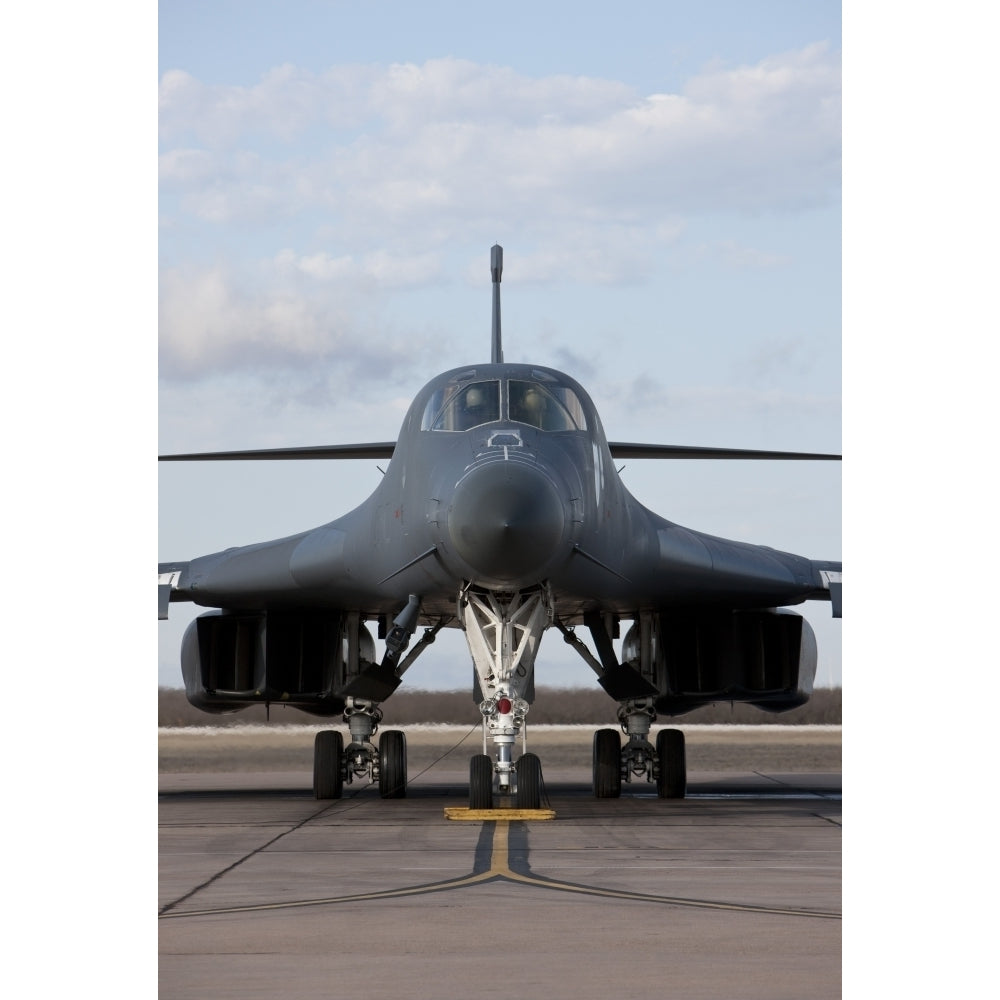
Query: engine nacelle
765, 658
232, 660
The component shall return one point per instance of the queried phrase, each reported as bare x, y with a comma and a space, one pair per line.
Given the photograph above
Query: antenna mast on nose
496, 269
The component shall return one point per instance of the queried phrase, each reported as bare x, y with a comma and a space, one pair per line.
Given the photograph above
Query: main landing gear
371, 683
333, 764
665, 764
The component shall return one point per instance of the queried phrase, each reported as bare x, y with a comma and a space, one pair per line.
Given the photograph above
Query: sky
665, 180
638, 268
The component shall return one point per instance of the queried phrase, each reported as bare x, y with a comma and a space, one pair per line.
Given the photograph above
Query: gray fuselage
501, 478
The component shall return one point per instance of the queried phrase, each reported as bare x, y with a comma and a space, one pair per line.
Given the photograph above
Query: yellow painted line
500, 815
498, 857
500, 868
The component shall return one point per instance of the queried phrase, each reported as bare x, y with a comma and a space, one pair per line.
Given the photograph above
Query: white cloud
409, 96
208, 323
315, 187
379, 269
286, 101
610, 254
303, 314
404, 144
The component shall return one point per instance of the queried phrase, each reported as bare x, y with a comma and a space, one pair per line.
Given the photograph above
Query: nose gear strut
503, 632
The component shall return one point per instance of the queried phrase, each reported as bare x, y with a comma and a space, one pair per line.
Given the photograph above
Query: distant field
552, 706
448, 748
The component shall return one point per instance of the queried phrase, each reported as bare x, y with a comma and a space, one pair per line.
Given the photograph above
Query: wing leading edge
384, 450
378, 449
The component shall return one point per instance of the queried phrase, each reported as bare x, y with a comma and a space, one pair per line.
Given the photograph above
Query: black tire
328, 756
672, 782
392, 764
607, 764
480, 782
529, 782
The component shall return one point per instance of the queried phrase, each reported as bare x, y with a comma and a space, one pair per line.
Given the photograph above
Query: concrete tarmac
731, 892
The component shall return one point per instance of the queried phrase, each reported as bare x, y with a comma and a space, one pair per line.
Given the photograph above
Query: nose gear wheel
503, 632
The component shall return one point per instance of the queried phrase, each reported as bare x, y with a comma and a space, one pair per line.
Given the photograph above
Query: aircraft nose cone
506, 521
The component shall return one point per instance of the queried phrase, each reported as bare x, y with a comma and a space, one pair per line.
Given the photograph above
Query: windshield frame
465, 403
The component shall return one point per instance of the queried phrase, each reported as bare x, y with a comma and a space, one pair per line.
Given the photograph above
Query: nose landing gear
503, 632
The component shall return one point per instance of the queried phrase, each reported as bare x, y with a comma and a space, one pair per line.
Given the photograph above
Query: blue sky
85, 398
651, 46
665, 180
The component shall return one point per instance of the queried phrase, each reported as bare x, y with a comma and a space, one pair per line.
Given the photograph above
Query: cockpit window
548, 407
462, 407
462, 404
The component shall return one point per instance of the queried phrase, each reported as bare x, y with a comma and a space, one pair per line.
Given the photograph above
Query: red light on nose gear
504, 706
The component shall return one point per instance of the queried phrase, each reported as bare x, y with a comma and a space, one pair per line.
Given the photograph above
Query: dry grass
446, 749
552, 706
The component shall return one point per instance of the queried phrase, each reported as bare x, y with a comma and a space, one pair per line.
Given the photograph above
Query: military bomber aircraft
500, 513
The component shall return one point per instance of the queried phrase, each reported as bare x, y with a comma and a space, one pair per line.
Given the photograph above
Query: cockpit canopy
462, 404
